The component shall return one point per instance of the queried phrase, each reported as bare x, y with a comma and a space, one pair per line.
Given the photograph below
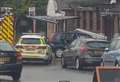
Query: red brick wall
90, 20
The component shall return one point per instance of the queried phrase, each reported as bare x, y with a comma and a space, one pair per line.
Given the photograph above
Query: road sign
31, 11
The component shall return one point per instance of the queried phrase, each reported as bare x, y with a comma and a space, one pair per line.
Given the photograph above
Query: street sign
31, 11
6, 11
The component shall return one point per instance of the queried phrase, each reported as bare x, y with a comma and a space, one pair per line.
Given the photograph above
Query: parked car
59, 40
111, 56
83, 53
10, 61
34, 48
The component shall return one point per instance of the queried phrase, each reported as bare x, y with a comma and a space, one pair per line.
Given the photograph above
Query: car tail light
33, 47
18, 56
83, 49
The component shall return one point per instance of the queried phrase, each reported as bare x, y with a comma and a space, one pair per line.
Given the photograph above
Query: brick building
97, 16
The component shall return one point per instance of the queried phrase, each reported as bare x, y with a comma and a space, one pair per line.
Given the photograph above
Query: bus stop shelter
53, 22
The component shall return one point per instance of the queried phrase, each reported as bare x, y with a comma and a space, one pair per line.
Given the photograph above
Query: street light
32, 13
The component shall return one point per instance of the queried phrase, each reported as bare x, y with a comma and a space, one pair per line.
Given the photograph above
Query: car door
72, 52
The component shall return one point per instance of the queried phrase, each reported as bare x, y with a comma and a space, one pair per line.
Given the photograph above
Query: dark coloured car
83, 53
10, 61
59, 40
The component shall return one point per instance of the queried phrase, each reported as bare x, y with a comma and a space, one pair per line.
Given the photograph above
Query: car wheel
77, 63
63, 62
58, 53
16, 76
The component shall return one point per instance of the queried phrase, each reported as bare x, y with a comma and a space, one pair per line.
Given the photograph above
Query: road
51, 73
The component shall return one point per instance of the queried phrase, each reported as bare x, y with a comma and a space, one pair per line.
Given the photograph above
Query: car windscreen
98, 44
32, 41
4, 46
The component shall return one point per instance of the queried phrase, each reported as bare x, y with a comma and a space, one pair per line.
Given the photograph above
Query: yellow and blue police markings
0, 32
7, 32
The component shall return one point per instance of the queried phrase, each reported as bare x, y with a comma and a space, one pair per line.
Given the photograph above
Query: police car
34, 48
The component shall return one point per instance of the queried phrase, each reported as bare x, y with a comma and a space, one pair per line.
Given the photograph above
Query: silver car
84, 53
111, 56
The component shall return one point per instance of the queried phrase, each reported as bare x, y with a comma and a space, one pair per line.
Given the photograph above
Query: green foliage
21, 6
41, 6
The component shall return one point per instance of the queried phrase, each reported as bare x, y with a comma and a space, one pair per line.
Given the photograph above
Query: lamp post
32, 13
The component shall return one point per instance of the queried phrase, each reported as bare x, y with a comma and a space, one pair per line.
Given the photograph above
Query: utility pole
32, 13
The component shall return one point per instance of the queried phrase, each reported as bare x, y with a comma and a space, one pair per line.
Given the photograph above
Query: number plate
98, 52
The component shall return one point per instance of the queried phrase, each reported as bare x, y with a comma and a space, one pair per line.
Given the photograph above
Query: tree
41, 6
21, 6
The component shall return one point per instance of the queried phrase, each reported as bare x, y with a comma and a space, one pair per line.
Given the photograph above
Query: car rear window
32, 41
97, 44
4, 46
